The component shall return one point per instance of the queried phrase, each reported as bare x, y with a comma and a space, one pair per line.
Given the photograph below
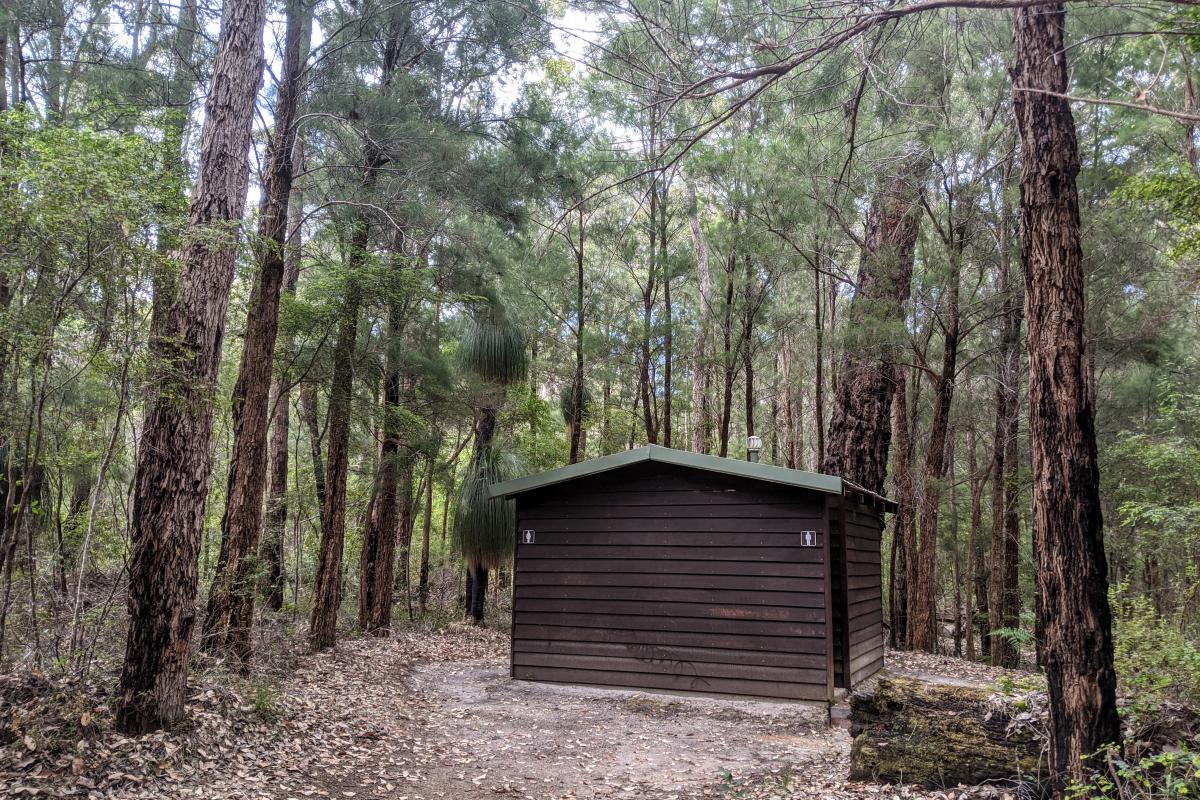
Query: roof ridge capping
829, 484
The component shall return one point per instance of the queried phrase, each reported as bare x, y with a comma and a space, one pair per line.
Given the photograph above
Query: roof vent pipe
753, 448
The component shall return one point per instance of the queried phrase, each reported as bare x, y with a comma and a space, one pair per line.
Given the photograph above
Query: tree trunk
904, 530
701, 418
748, 367
478, 585
423, 573
277, 507
668, 320
922, 595
819, 359
277, 510
860, 427
164, 281
173, 456
976, 580
1004, 601
575, 424
327, 591
728, 361
281, 388
407, 506
789, 402
228, 625
311, 415
1068, 533
376, 573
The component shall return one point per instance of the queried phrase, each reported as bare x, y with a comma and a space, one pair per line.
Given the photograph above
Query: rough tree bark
668, 319
163, 279
229, 621
729, 360
1004, 593
922, 592
819, 359
327, 590
646, 386
173, 456
426, 529
311, 416
575, 424
976, 572
277, 506
904, 530
1072, 574
376, 574
859, 432
701, 374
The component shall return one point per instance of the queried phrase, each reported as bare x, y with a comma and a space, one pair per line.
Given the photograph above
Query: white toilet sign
809, 539
527, 537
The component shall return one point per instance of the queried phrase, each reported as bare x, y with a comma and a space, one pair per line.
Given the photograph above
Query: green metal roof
681, 458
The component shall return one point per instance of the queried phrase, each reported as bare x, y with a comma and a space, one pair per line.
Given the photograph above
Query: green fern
1017, 638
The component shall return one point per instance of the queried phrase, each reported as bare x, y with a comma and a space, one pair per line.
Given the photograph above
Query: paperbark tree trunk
860, 426
1068, 534
173, 456
228, 625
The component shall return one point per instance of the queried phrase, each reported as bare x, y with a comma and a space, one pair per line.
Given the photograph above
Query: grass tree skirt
935, 734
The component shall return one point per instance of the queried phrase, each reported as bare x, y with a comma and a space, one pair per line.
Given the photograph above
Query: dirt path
546, 741
433, 716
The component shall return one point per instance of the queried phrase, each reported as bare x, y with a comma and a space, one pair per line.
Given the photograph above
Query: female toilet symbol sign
808, 539
526, 537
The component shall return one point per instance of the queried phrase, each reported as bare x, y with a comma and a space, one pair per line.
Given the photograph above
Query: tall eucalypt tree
173, 464
493, 350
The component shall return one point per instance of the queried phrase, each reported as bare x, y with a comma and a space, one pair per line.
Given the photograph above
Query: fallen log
940, 735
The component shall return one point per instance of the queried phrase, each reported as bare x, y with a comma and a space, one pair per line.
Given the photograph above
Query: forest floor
433, 716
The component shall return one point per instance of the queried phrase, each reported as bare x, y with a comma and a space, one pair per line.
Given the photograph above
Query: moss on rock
911, 731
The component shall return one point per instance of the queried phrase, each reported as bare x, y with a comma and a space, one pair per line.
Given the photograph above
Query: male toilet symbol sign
526, 537
808, 539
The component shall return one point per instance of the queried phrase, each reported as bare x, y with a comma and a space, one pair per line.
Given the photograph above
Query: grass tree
493, 349
576, 403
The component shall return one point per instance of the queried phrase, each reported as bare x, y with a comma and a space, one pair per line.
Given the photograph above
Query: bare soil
558, 741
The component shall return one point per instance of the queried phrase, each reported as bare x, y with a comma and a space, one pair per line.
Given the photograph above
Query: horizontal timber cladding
862, 530
658, 576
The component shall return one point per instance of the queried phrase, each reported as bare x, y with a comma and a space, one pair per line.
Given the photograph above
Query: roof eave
812, 481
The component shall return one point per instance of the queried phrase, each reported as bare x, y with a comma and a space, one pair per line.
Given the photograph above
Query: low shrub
1156, 663
1170, 775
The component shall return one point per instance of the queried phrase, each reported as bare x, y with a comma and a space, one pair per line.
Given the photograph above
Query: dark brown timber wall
663, 577
857, 589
